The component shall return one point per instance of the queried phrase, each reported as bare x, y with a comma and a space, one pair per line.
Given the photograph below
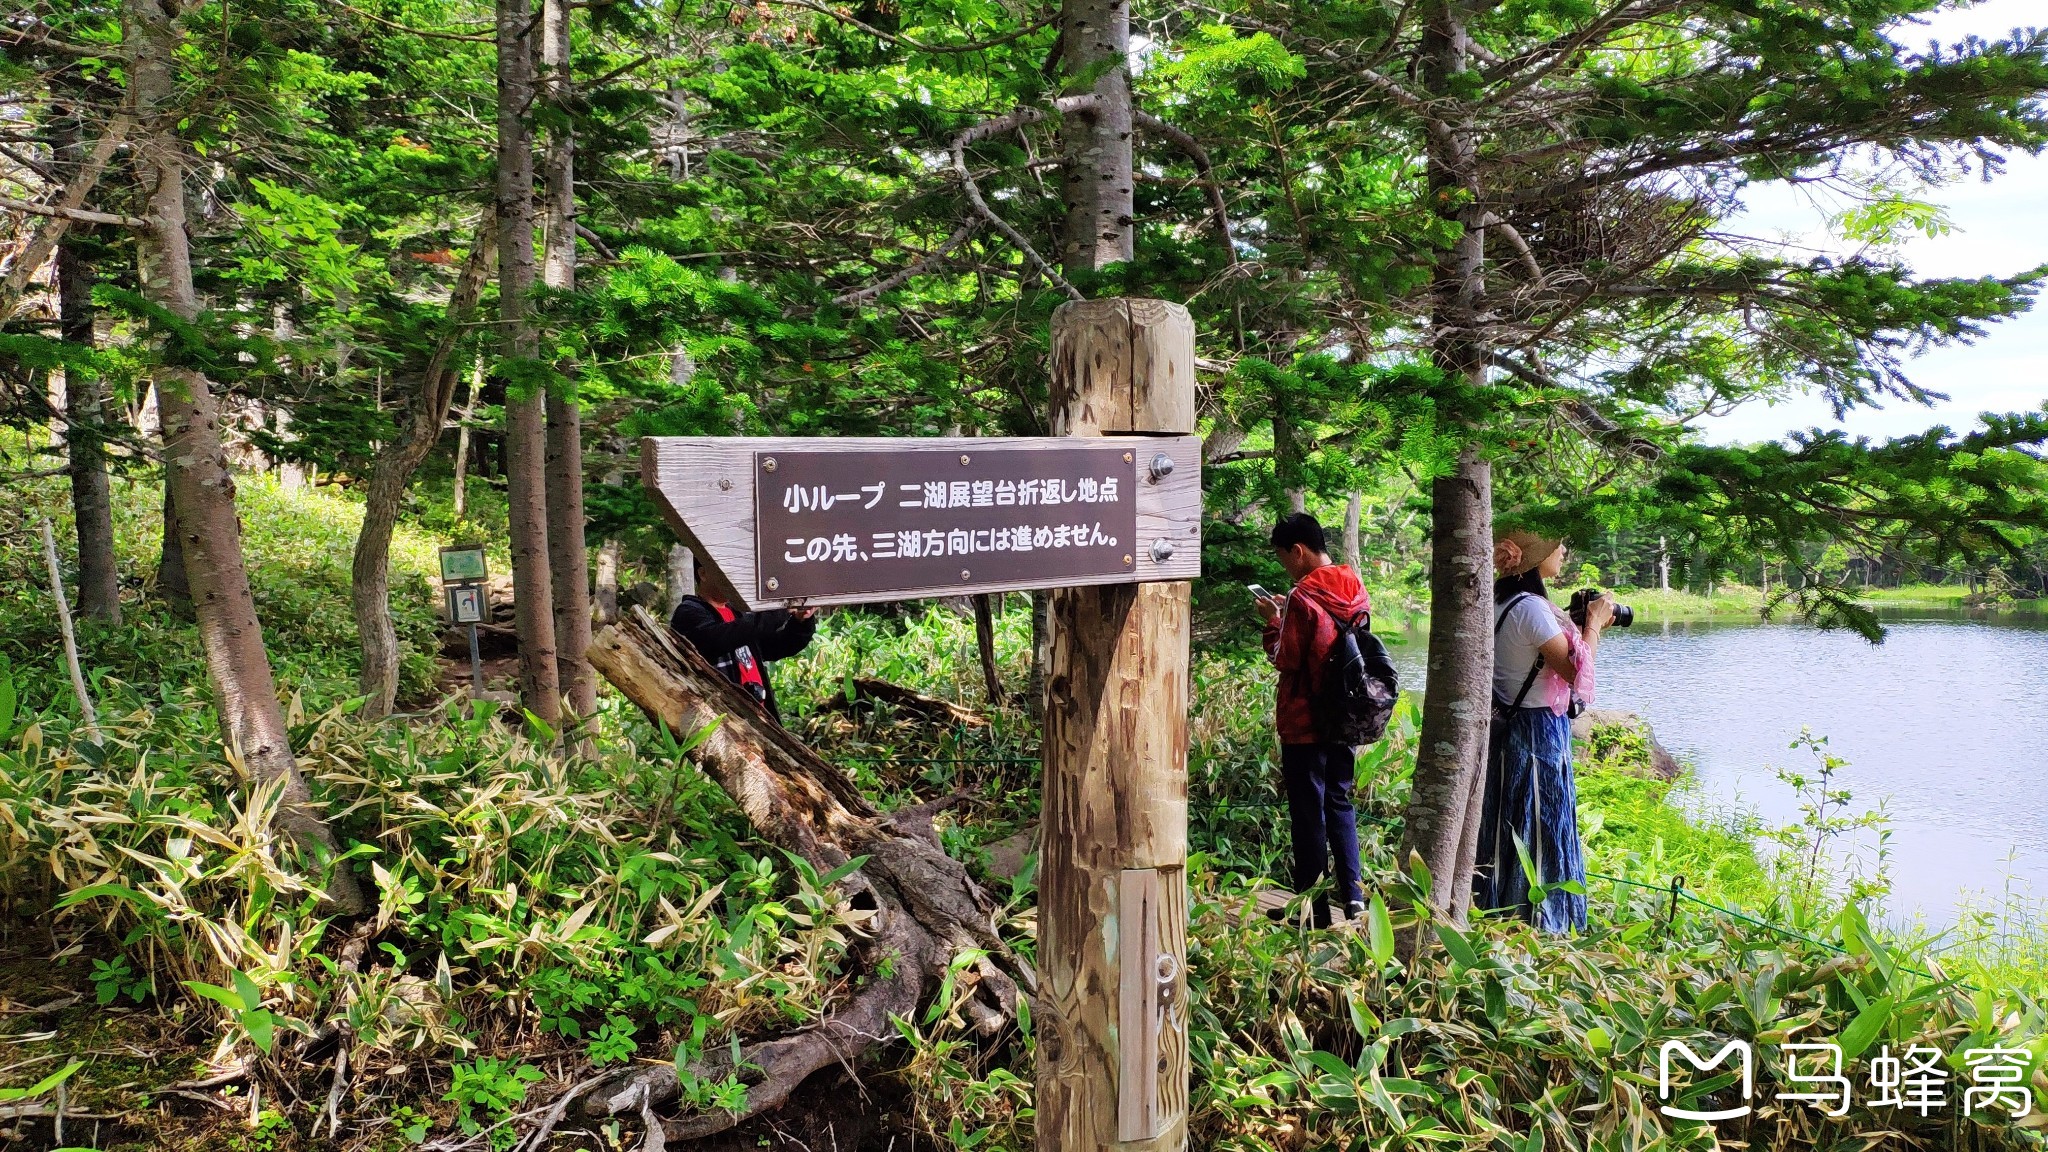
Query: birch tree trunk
391, 474
1443, 809
525, 396
568, 551
203, 490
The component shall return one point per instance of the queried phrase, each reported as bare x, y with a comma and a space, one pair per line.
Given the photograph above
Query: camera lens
1624, 616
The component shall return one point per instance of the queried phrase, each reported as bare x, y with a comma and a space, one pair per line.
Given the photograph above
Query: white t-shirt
1529, 624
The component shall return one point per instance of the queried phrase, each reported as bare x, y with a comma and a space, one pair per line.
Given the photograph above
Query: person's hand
1599, 613
1269, 608
803, 612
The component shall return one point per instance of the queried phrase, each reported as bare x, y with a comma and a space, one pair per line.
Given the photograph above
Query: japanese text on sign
844, 521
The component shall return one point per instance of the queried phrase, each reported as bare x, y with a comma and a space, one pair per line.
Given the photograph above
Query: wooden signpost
1108, 514
819, 521
463, 573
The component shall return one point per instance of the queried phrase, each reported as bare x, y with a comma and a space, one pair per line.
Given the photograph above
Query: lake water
1946, 722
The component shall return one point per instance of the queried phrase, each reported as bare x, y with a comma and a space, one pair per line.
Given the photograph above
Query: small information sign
463, 563
466, 603
838, 522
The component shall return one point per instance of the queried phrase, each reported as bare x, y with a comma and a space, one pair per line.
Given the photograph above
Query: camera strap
1535, 668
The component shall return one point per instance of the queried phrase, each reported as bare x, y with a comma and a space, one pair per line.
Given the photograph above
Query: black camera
1624, 616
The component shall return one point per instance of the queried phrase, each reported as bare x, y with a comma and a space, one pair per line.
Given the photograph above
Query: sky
1998, 228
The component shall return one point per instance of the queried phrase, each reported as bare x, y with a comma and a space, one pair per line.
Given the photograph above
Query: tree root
927, 909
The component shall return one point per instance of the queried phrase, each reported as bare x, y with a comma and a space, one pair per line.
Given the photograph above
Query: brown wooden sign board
867, 519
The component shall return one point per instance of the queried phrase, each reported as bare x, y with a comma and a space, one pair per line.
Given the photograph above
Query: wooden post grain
1111, 1018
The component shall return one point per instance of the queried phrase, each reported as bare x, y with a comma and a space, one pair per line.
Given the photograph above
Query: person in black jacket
741, 644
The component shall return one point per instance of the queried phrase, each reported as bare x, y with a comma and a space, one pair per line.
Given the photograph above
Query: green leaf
95, 891
43, 1085
9, 698
252, 996
259, 1025
1456, 944
1865, 1028
539, 730
841, 872
226, 998
1379, 931
1419, 872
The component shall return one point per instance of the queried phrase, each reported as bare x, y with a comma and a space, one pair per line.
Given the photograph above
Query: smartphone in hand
1258, 593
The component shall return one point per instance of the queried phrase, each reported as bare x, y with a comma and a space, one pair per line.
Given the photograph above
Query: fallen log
910, 700
927, 910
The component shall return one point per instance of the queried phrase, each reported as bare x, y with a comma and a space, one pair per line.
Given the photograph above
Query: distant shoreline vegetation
1743, 602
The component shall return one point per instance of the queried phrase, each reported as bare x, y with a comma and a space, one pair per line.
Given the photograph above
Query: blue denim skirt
1531, 794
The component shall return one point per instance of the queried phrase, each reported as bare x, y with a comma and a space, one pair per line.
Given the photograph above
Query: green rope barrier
1676, 887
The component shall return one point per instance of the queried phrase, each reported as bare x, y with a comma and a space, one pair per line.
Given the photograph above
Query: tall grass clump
299, 543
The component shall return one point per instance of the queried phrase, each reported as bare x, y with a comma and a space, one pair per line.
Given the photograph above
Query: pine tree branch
915, 268
63, 214
36, 36
428, 33
79, 215
917, 45
1548, 58
1022, 117
1200, 156
1590, 421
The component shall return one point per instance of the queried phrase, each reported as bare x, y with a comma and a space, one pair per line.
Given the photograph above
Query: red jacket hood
1335, 589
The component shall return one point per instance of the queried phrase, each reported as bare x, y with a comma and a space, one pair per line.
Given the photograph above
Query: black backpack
1356, 693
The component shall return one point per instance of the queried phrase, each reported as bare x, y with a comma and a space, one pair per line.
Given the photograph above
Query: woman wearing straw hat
1542, 665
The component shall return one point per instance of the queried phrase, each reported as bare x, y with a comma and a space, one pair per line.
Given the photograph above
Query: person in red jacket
1318, 776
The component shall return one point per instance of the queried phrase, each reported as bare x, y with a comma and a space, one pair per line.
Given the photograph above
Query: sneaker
1355, 910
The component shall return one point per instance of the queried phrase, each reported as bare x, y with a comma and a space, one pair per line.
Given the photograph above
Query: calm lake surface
1946, 723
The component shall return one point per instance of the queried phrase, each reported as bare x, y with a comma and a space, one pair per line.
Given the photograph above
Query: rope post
1671, 916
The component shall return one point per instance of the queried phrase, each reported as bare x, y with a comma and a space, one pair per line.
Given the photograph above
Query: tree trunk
1353, 507
391, 474
476, 386
985, 644
608, 581
927, 909
171, 584
202, 488
1450, 768
1112, 920
1456, 706
1095, 39
568, 551
1663, 565
1041, 654
85, 415
525, 396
